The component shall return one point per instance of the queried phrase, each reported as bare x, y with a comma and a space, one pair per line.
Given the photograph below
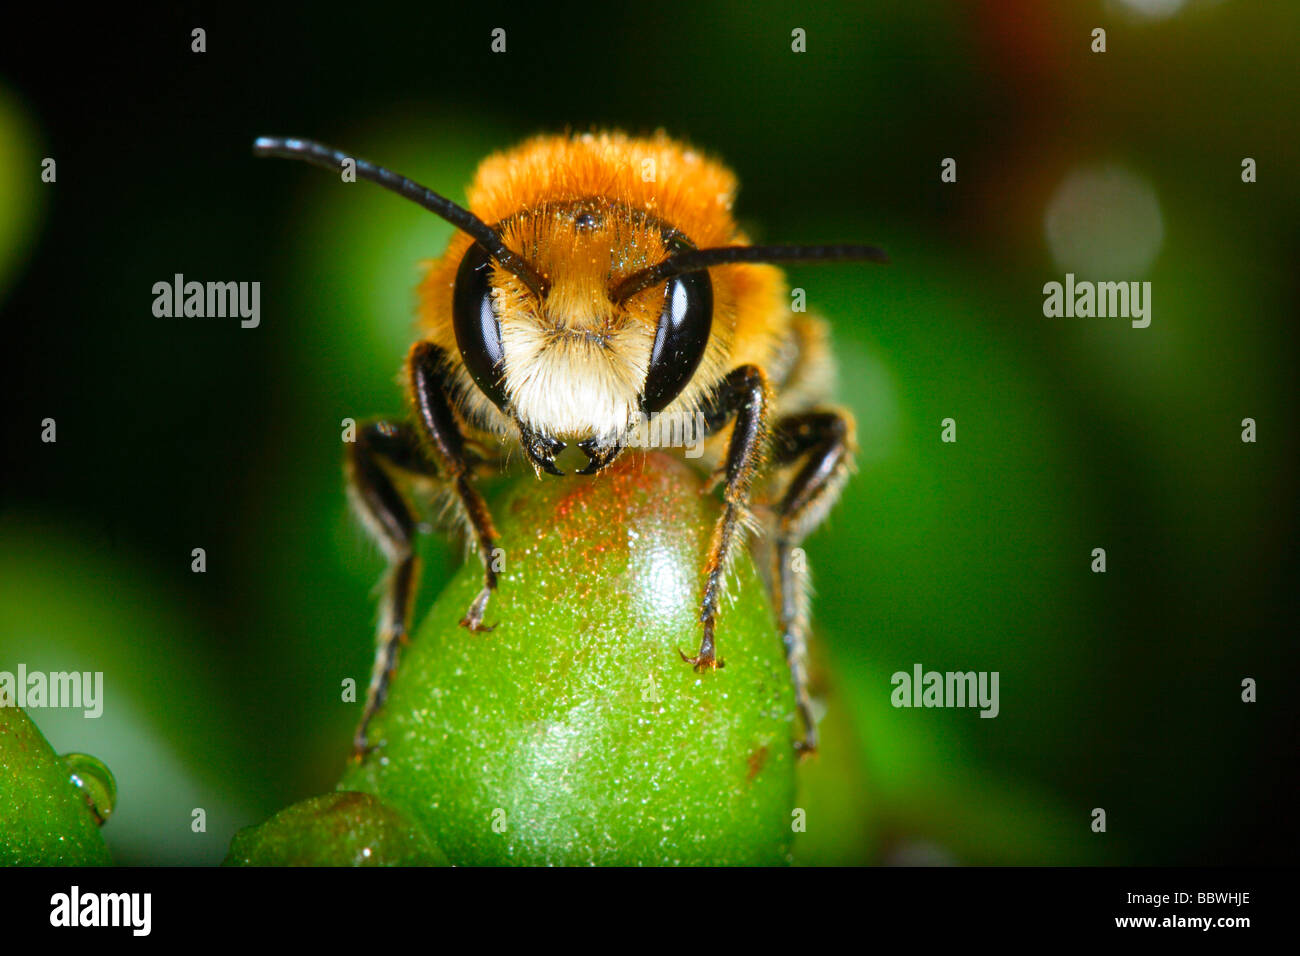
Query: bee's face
574, 365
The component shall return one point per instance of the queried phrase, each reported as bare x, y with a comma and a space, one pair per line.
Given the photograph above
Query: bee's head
581, 309
578, 359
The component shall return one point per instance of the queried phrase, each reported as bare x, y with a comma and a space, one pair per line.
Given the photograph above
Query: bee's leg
439, 426
824, 439
745, 395
387, 516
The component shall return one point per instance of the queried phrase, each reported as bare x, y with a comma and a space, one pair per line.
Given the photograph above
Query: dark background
1119, 691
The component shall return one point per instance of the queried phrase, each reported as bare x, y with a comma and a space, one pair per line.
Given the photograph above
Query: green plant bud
573, 733
46, 816
337, 829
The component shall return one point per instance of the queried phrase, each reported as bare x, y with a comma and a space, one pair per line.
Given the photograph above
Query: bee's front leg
382, 450
440, 429
745, 395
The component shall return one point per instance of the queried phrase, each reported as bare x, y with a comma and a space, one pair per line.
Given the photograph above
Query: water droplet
95, 782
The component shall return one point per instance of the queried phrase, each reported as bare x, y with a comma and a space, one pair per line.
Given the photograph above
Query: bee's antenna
326, 157
694, 260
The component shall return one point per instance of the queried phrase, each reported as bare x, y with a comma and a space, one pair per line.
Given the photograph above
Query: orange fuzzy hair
628, 179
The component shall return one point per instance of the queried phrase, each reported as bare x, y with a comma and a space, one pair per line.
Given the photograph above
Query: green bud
337, 829
46, 817
573, 733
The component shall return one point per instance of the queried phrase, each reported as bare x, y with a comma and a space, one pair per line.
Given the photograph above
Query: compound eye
477, 326
680, 339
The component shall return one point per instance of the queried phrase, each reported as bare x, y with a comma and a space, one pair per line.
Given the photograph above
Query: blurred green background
1119, 691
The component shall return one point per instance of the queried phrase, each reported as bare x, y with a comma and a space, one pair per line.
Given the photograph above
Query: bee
595, 280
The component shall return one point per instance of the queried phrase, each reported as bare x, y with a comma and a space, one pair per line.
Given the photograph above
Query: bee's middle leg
744, 394
387, 517
824, 440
